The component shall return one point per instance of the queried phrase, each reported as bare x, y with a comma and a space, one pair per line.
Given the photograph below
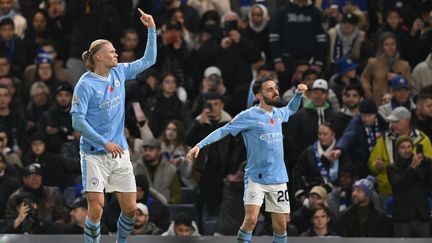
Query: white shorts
275, 195
101, 172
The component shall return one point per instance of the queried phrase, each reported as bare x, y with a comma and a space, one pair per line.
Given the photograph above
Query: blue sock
244, 236
280, 238
124, 227
91, 231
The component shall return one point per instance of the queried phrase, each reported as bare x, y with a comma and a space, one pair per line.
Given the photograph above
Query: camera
419, 148
208, 106
27, 224
228, 26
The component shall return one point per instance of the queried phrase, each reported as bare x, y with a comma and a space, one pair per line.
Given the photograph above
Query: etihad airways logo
112, 103
271, 137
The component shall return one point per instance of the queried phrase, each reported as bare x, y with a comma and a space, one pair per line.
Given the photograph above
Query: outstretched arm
236, 125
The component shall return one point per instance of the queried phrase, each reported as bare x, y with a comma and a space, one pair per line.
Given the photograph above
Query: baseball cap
34, 168
80, 202
143, 208
399, 82
320, 84
212, 70
350, 18
319, 190
344, 65
152, 143
399, 113
64, 86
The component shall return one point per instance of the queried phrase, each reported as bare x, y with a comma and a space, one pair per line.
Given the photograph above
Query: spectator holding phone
411, 179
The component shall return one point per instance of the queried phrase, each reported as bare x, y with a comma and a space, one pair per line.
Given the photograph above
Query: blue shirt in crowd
262, 135
98, 103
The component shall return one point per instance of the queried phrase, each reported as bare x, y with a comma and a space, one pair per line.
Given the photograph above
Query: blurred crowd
358, 151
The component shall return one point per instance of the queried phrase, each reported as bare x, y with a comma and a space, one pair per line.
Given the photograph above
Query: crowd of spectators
358, 151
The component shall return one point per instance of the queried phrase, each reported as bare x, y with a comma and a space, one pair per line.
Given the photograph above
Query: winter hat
64, 86
367, 106
366, 185
43, 57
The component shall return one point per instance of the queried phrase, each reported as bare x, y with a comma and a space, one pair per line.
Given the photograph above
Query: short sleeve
237, 124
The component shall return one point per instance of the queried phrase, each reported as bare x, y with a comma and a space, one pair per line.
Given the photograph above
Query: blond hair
88, 56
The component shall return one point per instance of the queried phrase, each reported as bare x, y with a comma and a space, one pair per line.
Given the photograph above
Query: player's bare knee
279, 226
129, 211
251, 220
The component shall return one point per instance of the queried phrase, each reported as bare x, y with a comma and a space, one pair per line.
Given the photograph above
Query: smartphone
139, 113
419, 148
208, 106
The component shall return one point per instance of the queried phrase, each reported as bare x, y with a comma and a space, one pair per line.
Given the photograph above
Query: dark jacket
306, 173
70, 159
411, 189
231, 213
8, 185
353, 142
60, 119
235, 62
51, 165
423, 125
302, 129
377, 224
297, 32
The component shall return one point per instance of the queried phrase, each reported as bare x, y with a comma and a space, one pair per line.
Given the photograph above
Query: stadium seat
188, 195
209, 227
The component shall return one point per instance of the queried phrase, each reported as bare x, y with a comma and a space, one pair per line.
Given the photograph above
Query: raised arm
149, 57
294, 103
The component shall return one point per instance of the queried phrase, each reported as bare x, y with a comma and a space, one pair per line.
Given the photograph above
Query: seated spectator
303, 126
422, 117
422, 74
40, 101
302, 217
314, 167
383, 154
56, 123
174, 149
346, 75
320, 220
212, 82
400, 92
142, 225
8, 185
352, 96
360, 136
363, 218
48, 49
14, 121
10, 156
182, 225
44, 72
13, 45
50, 164
166, 105
340, 197
156, 204
14, 87
20, 23
28, 220
161, 175
78, 216
411, 179
49, 202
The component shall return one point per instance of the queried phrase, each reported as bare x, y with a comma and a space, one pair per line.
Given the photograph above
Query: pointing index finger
141, 12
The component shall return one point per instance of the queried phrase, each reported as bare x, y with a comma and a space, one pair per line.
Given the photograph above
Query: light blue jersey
262, 135
98, 104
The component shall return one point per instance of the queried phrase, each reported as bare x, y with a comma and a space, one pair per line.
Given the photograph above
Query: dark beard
271, 102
